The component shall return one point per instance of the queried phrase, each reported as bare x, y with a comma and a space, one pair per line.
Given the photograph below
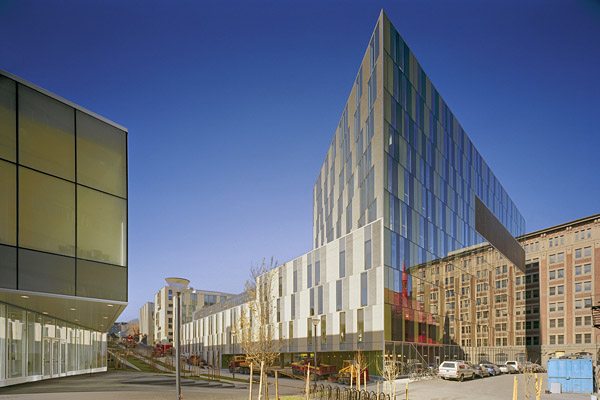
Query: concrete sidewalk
133, 385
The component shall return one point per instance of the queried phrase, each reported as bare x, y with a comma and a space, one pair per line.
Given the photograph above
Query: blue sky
231, 106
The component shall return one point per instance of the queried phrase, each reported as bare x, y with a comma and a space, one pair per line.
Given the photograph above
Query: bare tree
255, 326
360, 363
390, 372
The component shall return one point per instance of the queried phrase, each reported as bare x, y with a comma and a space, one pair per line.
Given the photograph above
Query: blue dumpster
575, 376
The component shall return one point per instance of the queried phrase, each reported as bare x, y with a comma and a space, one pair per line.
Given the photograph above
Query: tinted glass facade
400, 154
432, 174
63, 234
64, 197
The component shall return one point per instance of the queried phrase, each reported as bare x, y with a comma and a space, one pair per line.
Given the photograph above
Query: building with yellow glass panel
63, 233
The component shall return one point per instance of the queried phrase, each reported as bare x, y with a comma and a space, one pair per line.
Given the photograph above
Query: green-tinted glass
101, 281
8, 119
8, 267
46, 213
46, 134
48, 273
101, 226
101, 155
8, 203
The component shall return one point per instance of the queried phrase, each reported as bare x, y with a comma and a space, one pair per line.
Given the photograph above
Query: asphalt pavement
146, 386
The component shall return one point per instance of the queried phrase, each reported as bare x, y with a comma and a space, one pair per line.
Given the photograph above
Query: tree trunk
276, 386
266, 386
260, 380
307, 383
251, 380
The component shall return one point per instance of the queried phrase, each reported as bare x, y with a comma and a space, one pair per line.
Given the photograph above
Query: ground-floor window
32, 344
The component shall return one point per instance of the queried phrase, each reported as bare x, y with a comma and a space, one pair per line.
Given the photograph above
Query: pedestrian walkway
132, 386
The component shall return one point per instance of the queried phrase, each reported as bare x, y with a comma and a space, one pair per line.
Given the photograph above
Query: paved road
140, 386
131, 385
491, 388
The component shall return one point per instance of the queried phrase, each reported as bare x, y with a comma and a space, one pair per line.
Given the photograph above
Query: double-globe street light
178, 285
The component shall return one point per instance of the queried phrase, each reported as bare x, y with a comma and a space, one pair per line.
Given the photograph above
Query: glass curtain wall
32, 344
432, 174
65, 194
3, 358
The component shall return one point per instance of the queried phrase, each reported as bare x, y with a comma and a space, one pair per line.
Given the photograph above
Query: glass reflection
101, 281
8, 203
46, 213
101, 155
46, 134
101, 226
16, 343
3, 358
34, 345
8, 267
8, 119
48, 273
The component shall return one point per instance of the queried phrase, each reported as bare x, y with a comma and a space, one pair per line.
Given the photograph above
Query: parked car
195, 360
533, 367
455, 370
493, 370
516, 365
538, 368
480, 372
507, 369
499, 366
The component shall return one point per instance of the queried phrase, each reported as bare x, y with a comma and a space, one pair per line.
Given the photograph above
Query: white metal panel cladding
203, 341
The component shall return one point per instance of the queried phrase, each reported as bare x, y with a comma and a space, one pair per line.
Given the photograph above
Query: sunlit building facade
147, 323
494, 311
63, 233
191, 301
401, 187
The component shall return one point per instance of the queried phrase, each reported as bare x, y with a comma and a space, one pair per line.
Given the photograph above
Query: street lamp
178, 285
315, 322
597, 361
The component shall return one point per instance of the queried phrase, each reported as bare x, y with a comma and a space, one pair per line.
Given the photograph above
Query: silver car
455, 370
480, 372
491, 368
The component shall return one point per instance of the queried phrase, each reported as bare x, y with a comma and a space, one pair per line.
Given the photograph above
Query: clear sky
231, 106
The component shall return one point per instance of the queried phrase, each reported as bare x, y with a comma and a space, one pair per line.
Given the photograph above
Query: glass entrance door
54, 358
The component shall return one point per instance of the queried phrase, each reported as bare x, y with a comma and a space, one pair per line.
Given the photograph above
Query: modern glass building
401, 186
63, 233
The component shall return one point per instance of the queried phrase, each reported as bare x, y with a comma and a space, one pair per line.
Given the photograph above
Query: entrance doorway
55, 358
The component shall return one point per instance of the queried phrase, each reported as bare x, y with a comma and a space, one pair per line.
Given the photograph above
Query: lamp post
178, 285
597, 368
315, 322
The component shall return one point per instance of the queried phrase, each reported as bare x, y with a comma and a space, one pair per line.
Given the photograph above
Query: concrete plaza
138, 386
